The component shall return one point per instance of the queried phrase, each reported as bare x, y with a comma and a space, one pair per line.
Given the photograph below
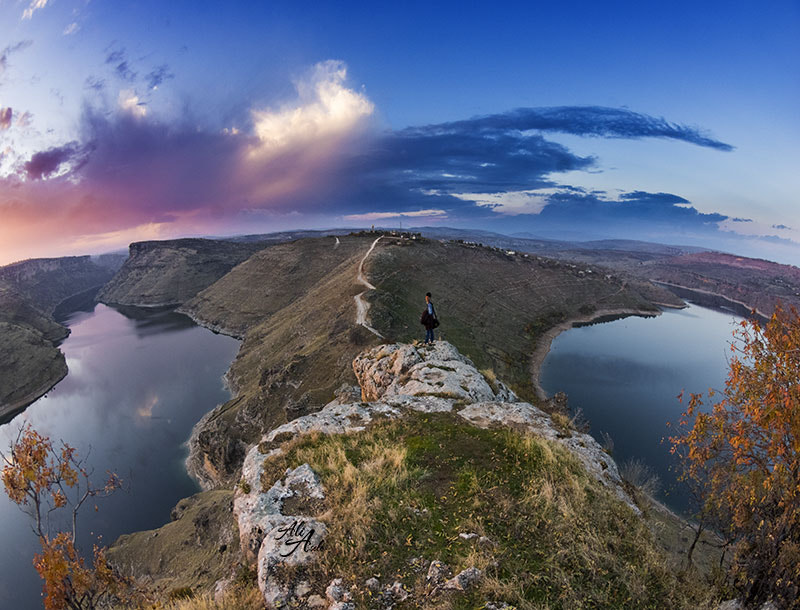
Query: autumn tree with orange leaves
43, 480
744, 454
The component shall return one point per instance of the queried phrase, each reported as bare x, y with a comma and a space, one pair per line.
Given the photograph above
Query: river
625, 376
138, 381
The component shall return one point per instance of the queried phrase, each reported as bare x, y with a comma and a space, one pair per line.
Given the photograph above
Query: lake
625, 376
138, 381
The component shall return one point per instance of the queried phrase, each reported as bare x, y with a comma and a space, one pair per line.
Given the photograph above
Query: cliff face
160, 273
30, 362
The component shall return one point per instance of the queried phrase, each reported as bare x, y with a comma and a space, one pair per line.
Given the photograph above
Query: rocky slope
293, 306
293, 519
30, 362
161, 273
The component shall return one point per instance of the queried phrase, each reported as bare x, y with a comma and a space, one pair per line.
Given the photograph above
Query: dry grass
404, 490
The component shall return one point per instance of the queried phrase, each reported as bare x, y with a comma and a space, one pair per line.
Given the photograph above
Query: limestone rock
439, 370
464, 580
336, 591
438, 572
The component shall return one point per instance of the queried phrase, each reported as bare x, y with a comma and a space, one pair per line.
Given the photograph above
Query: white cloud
371, 216
71, 28
325, 109
129, 102
35, 5
512, 202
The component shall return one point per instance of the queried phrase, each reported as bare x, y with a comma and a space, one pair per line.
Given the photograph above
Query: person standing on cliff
429, 319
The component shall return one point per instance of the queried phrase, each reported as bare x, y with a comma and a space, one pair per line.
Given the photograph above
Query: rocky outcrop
161, 273
394, 379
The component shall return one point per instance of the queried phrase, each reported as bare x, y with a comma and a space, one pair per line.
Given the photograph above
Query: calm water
138, 381
625, 376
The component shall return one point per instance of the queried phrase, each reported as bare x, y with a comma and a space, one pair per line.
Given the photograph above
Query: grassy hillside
293, 304
492, 305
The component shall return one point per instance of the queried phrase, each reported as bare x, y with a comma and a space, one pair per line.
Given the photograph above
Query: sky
131, 120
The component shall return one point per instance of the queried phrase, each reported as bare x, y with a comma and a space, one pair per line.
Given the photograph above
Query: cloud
129, 102
326, 109
5, 117
50, 162
782, 227
598, 121
9, 50
158, 75
320, 155
130, 171
94, 83
373, 216
118, 58
72, 28
35, 5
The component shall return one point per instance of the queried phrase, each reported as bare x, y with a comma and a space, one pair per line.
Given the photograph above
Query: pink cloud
132, 175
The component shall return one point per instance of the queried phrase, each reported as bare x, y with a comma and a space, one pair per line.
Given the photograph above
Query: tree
41, 480
744, 456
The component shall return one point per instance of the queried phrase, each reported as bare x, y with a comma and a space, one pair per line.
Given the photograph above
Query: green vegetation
402, 492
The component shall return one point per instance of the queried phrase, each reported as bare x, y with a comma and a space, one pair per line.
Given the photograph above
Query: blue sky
131, 120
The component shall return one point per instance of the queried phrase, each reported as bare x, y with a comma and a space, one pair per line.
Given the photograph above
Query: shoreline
546, 340
10, 411
714, 294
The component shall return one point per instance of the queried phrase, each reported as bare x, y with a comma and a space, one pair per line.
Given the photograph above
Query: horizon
675, 125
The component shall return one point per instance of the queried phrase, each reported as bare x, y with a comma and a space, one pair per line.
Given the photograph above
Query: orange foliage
40, 480
745, 455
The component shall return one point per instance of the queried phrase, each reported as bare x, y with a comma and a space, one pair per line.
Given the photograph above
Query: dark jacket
427, 320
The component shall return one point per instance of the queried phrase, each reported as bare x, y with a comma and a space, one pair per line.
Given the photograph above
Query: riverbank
717, 296
546, 340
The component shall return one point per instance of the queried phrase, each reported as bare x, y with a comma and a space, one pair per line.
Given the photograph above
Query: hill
167, 273
30, 291
293, 306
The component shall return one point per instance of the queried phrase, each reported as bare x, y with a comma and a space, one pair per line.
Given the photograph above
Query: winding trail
362, 307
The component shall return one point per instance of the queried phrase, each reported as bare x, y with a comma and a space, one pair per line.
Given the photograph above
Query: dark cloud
119, 59
584, 121
741, 220
641, 197
94, 83
115, 56
158, 76
48, 162
781, 227
124, 71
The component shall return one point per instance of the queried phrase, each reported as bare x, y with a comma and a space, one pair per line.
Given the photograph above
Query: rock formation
394, 379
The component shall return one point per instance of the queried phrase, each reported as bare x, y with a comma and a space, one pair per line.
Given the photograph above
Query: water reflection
625, 376
138, 381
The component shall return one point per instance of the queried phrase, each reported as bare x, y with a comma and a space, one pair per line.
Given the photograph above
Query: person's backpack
435, 322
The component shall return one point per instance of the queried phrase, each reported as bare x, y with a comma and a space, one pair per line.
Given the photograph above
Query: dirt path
362, 307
